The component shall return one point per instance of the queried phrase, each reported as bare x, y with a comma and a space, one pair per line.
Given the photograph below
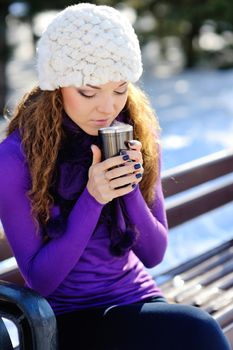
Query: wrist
93, 198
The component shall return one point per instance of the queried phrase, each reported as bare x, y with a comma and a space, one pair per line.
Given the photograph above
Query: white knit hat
88, 44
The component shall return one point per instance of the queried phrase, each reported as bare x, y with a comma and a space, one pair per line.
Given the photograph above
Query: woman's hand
135, 151
107, 178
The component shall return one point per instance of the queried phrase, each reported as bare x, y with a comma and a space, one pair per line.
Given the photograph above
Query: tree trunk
3, 56
188, 45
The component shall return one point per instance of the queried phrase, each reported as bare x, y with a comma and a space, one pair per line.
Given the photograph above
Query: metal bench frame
32, 315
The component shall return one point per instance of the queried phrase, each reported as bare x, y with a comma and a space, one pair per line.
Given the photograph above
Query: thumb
96, 154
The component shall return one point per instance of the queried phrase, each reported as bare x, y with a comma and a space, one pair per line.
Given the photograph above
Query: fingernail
132, 143
137, 166
134, 185
126, 157
138, 175
122, 152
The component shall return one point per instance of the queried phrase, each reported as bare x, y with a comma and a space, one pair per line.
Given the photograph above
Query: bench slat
196, 172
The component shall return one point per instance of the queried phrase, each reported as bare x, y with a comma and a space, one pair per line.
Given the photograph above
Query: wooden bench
205, 281
8, 266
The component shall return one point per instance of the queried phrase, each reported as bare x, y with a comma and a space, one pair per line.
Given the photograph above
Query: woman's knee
199, 319
200, 328
188, 326
150, 314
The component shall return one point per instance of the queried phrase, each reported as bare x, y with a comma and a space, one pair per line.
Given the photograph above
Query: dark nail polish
138, 175
134, 185
126, 157
122, 152
137, 166
132, 143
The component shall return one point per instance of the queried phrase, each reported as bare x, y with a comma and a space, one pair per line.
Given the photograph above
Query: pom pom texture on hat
88, 44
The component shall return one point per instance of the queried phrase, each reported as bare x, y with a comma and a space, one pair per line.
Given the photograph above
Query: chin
91, 132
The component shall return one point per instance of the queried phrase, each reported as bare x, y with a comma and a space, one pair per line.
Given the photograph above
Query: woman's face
94, 107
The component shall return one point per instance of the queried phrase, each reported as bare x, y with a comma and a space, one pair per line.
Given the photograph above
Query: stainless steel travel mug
115, 138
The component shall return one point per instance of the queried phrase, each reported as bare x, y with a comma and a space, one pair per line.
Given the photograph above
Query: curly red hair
39, 117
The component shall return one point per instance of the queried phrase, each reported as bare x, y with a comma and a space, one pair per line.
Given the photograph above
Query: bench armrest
32, 315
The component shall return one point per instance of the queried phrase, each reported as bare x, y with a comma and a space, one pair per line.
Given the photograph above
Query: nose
106, 105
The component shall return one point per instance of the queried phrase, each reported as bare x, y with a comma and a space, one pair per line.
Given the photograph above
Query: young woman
83, 228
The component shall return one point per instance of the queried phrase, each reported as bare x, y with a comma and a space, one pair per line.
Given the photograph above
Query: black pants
151, 325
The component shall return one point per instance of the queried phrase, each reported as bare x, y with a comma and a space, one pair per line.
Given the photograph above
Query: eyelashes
121, 93
91, 96
87, 96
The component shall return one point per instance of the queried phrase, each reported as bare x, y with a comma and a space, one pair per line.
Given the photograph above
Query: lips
100, 121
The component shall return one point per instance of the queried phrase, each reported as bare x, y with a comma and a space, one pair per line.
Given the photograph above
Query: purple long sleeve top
77, 270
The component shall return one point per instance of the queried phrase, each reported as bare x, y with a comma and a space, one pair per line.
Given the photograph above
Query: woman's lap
149, 325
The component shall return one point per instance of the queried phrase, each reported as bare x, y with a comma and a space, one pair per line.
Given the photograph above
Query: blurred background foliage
179, 34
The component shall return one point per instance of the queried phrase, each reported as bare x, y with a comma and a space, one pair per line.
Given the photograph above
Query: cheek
122, 102
70, 103
73, 105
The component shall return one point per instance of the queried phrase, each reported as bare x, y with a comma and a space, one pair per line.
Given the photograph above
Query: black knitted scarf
69, 180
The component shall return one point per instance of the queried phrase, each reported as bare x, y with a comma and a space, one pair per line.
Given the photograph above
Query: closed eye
84, 95
121, 92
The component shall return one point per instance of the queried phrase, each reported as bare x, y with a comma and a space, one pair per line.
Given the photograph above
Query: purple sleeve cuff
86, 194
136, 191
151, 225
